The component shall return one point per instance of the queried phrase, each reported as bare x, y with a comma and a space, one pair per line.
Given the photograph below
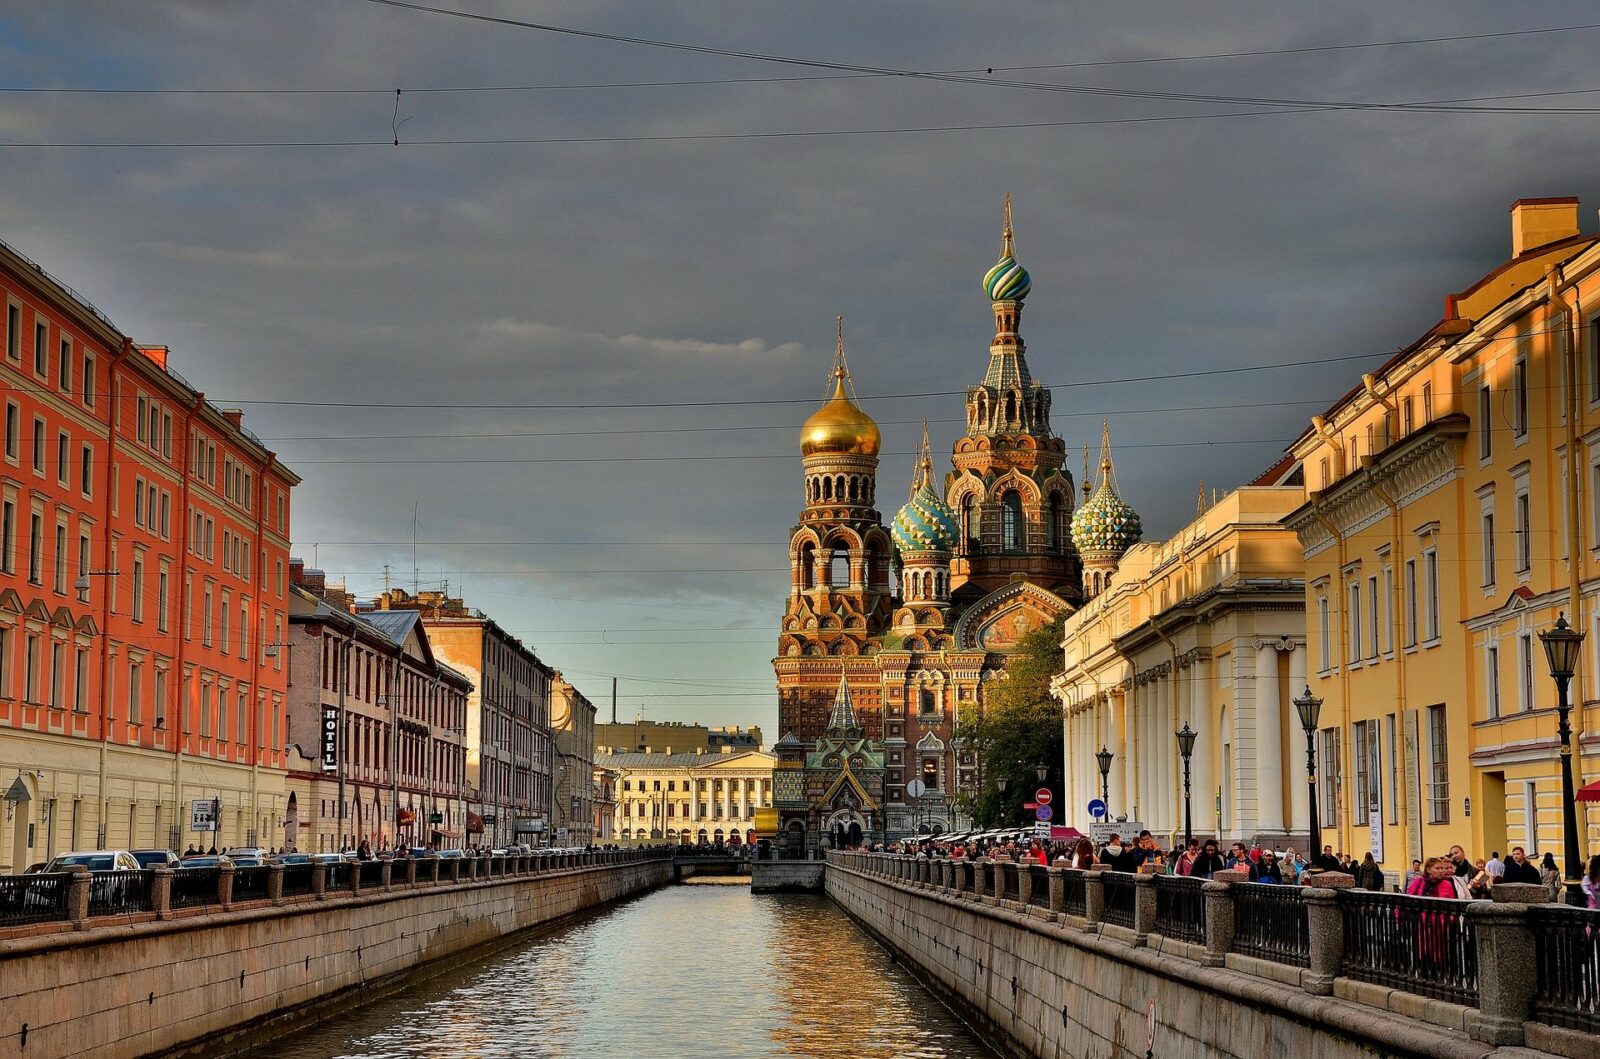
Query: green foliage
1018, 729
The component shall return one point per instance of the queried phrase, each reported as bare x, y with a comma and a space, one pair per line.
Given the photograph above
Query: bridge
690, 861
1055, 962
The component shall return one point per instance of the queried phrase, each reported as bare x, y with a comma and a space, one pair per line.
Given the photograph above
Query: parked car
451, 854
327, 858
244, 861
419, 852
204, 862
95, 860
246, 851
293, 858
156, 858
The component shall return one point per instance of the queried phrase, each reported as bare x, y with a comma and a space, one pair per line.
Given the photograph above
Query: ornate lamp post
1186, 737
1561, 646
1041, 773
1309, 708
1103, 759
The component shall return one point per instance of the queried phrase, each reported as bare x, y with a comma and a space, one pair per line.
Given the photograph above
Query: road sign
1042, 813
1030, 805
1097, 808
1042, 796
1126, 829
916, 789
1041, 829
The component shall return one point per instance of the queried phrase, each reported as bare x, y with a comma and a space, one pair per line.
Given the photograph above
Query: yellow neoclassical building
1448, 495
1205, 629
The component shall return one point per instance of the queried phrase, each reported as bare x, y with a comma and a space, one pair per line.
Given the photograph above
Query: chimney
158, 354
234, 416
1540, 222
297, 570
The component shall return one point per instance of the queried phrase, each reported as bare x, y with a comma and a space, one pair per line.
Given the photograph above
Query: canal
682, 971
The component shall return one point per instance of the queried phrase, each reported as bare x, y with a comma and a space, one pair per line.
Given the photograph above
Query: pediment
1002, 618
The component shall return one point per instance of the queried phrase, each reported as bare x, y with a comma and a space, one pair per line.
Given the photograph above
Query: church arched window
966, 522
1056, 524
1011, 520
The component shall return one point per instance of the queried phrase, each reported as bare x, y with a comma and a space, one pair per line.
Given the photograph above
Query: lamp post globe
1103, 759
1310, 709
1562, 644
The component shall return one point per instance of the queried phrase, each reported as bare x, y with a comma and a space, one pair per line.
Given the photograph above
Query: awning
445, 833
1589, 792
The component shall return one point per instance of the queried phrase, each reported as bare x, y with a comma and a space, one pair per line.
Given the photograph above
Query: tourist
1037, 854
1209, 862
1463, 868
1368, 875
190, 852
1083, 857
1239, 857
364, 851
1266, 870
1478, 885
1327, 861
1412, 875
1112, 848
1495, 867
1591, 883
1438, 879
1519, 869
1550, 875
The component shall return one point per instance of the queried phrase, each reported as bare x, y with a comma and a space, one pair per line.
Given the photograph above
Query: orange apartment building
144, 544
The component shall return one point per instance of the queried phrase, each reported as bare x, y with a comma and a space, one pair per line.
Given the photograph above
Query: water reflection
684, 971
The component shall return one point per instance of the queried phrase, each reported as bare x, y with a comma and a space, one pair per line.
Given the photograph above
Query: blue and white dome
925, 524
1106, 523
1007, 281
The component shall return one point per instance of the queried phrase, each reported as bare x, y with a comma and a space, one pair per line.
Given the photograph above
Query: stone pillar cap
1329, 880
1519, 893
1231, 875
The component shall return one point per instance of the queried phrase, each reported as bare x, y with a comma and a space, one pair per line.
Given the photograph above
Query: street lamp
1186, 737
1041, 773
1561, 645
1104, 760
1309, 707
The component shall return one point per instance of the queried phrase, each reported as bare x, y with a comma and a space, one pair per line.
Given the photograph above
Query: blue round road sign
1097, 808
1043, 812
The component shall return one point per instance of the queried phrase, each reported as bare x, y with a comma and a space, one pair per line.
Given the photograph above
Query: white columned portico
1122, 764
1269, 740
1299, 790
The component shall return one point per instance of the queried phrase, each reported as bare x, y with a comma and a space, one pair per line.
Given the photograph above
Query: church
890, 633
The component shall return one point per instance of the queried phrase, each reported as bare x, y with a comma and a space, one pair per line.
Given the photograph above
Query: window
1355, 621
36, 549
163, 589
1430, 569
38, 446
135, 686
1011, 520
1486, 530
205, 710
166, 514
64, 366
1408, 418
1530, 817
222, 714
140, 407
1388, 610
61, 559
80, 691
30, 677
1524, 532
58, 676
138, 590
86, 471
83, 563
1372, 617
138, 502
205, 619
8, 537
1491, 681
161, 698
63, 460
1330, 778
1358, 754
1427, 402
1519, 398
1485, 423
1390, 744
41, 349
88, 381
14, 332
1525, 672
224, 610
1439, 768
13, 431
1324, 636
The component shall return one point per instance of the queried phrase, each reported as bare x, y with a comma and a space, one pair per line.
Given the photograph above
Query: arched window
1056, 525
852, 487
966, 522
807, 561
928, 701
838, 567
827, 489
1011, 520
1011, 408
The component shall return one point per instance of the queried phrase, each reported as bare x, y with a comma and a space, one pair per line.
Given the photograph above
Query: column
1122, 788
1183, 684
694, 800
1207, 745
727, 800
1269, 741
1299, 789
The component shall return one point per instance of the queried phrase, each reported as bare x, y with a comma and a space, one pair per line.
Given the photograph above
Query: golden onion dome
840, 426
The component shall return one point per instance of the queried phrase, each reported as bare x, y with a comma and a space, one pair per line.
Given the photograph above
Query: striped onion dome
1007, 281
925, 524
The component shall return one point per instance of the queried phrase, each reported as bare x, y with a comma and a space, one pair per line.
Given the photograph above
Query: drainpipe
1395, 624
1574, 544
102, 827
1340, 642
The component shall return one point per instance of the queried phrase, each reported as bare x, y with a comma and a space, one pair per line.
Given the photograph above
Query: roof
689, 759
395, 624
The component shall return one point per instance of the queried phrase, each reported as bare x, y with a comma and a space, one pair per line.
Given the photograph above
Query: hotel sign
330, 739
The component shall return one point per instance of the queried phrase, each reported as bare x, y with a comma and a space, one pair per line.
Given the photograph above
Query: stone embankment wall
237, 974
1044, 985
786, 876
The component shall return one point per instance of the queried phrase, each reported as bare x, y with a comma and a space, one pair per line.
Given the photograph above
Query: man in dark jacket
1209, 862
1368, 875
1520, 869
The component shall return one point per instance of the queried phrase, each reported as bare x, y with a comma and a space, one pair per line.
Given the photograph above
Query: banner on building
407, 816
203, 814
330, 739
474, 824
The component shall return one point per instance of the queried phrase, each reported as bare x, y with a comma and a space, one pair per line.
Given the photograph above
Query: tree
1015, 728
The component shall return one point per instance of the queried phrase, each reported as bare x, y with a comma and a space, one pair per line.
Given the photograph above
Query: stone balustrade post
1024, 883
1507, 971
455, 869
1325, 927
1144, 908
353, 870
78, 895
225, 885
1219, 921
319, 880
1094, 898
1058, 891
161, 891
275, 882
980, 872
411, 871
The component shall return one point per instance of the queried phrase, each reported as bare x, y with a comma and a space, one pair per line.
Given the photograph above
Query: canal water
684, 971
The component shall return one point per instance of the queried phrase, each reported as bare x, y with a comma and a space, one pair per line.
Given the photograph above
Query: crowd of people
1453, 875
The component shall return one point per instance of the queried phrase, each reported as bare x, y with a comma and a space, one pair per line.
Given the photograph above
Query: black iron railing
297, 879
337, 876
1567, 949
987, 868
371, 874
250, 884
1269, 922
193, 887
119, 893
1423, 945
1040, 893
1074, 901
1010, 881
1180, 908
33, 898
1120, 896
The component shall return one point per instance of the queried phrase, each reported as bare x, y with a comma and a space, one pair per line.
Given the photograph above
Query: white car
94, 860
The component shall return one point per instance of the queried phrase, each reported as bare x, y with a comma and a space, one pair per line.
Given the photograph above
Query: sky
566, 377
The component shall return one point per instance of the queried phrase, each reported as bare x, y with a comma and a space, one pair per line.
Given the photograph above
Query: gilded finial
839, 369
1006, 239
1105, 447
924, 472
1088, 486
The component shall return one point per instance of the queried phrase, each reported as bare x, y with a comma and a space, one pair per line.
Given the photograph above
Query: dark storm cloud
700, 271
